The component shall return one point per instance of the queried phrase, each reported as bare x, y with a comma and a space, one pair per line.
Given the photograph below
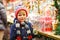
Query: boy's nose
22, 16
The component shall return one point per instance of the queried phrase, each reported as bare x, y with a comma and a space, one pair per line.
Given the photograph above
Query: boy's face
21, 16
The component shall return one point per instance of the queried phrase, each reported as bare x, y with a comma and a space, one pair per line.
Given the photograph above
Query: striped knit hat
18, 10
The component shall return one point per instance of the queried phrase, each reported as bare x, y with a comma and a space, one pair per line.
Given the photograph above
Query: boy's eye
23, 14
19, 15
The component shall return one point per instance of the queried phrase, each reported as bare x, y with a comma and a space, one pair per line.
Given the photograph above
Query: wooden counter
48, 34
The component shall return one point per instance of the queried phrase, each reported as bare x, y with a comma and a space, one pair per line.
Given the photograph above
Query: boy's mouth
22, 19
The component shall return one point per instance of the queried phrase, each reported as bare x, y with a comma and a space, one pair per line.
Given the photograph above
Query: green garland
56, 4
58, 0
57, 31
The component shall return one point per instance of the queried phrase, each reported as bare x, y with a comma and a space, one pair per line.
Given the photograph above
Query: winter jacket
3, 18
21, 32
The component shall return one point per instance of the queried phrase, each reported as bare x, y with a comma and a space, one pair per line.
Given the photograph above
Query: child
21, 29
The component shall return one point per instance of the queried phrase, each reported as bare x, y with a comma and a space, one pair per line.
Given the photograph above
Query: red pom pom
18, 38
29, 37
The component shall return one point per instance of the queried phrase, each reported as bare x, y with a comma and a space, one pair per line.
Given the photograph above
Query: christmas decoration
57, 31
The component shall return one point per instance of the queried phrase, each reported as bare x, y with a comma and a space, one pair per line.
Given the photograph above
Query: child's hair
18, 10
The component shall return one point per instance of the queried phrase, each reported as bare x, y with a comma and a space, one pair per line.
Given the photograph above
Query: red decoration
12, 0
48, 13
48, 29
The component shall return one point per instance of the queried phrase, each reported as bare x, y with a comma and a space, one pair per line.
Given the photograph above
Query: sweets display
41, 12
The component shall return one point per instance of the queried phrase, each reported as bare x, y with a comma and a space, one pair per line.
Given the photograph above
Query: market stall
42, 15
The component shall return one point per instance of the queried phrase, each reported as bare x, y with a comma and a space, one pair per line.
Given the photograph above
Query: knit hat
18, 10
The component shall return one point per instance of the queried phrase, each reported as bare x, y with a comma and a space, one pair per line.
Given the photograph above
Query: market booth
42, 15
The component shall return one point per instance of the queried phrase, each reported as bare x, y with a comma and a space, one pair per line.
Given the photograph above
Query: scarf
23, 25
